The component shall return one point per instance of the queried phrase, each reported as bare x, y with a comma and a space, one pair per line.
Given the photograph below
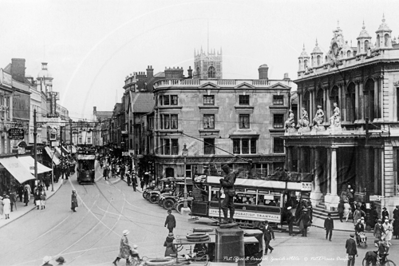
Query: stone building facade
219, 121
357, 141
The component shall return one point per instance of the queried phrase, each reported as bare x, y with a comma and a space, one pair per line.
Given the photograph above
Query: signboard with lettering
16, 133
249, 215
306, 186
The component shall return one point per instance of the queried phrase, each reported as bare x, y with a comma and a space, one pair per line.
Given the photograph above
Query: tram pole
35, 142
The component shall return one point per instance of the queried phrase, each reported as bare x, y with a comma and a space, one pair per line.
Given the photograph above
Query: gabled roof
209, 85
279, 85
244, 85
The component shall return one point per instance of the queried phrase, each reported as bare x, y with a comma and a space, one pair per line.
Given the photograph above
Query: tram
256, 200
85, 160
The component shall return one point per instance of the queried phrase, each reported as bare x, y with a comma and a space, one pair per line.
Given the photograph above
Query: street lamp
185, 210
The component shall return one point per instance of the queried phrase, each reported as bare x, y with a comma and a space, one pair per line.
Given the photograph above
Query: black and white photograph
199, 132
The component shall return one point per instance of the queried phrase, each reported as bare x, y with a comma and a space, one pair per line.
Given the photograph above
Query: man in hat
124, 249
396, 222
268, 235
170, 221
304, 222
329, 226
378, 230
227, 184
351, 250
60, 260
359, 229
384, 215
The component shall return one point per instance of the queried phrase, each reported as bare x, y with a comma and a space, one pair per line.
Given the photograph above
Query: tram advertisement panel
249, 215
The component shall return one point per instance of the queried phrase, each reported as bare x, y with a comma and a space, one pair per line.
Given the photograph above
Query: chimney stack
190, 72
263, 71
94, 109
150, 72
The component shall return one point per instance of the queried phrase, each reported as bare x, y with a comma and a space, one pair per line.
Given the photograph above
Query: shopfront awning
52, 155
30, 164
17, 169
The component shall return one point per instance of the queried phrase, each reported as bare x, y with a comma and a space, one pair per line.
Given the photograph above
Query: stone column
289, 158
332, 199
376, 171
299, 154
376, 101
357, 108
315, 195
311, 105
327, 111
381, 98
361, 103
300, 96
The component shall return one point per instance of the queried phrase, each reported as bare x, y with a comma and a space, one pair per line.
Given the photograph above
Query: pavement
21, 209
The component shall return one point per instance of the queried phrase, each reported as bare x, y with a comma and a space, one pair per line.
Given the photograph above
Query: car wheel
168, 204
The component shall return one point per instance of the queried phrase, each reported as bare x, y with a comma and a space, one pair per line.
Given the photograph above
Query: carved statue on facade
290, 122
303, 123
335, 119
319, 118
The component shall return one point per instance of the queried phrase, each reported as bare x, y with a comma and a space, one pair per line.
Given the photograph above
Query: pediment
209, 85
279, 85
244, 86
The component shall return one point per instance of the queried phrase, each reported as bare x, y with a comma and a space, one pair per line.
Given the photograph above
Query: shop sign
306, 186
16, 133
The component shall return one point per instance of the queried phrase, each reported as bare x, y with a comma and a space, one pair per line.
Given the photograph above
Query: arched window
351, 103
366, 46
386, 40
368, 93
320, 98
334, 96
318, 60
305, 64
378, 40
348, 54
211, 72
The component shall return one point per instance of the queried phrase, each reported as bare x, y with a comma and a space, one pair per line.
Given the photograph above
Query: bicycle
379, 260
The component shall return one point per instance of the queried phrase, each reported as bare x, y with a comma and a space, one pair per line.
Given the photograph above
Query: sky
92, 45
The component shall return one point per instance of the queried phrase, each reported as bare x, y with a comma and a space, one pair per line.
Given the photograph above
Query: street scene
212, 133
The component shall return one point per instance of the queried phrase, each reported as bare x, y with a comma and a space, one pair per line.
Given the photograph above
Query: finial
337, 24
317, 44
303, 47
383, 18
363, 25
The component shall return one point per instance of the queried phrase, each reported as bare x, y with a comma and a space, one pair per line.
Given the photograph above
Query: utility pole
70, 133
34, 141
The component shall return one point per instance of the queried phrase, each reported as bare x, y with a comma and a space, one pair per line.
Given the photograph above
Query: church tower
208, 65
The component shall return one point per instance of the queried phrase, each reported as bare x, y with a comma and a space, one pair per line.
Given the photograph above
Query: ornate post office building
348, 119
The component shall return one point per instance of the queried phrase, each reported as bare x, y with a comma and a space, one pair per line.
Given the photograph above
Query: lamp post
185, 210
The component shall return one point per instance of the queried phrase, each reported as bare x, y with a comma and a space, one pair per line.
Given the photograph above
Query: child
170, 221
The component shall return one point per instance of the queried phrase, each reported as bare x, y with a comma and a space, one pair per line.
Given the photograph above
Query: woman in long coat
74, 201
124, 249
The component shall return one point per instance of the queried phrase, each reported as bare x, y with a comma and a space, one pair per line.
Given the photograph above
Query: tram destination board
16, 133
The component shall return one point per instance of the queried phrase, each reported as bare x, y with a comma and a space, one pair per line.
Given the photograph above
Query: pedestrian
357, 214
74, 201
304, 222
329, 226
128, 178
170, 221
27, 192
384, 214
290, 220
388, 229
268, 235
351, 250
359, 230
36, 197
134, 180
170, 250
47, 181
341, 209
43, 197
396, 222
13, 199
146, 179
378, 230
6, 207
142, 183
20, 192
46, 261
124, 249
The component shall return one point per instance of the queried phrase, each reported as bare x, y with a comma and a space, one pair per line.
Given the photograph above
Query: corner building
363, 151
219, 121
